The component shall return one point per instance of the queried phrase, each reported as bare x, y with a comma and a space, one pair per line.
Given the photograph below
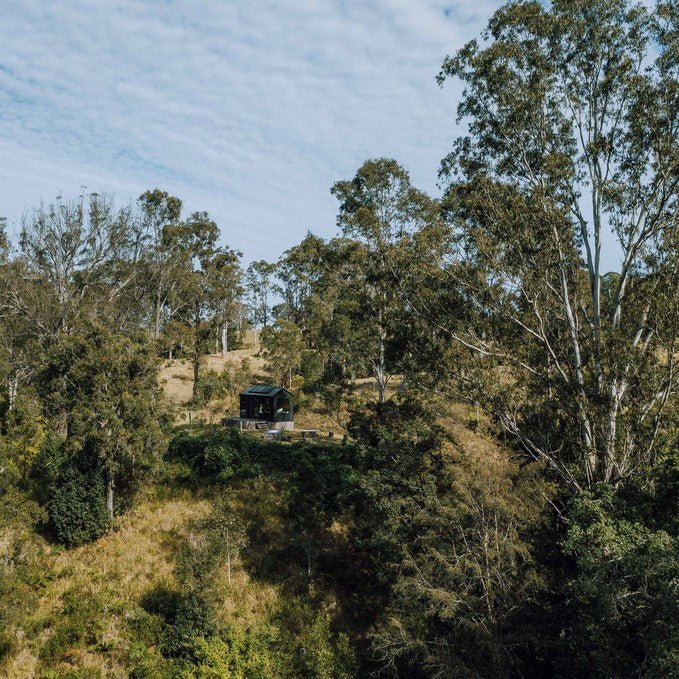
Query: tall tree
104, 389
197, 239
161, 213
74, 265
380, 210
300, 271
573, 144
225, 276
67, 245
259, 282
283, 346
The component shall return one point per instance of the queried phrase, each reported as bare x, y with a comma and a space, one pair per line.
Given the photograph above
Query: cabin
263, 406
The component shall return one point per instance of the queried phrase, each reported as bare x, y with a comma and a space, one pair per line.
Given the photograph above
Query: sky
248, 109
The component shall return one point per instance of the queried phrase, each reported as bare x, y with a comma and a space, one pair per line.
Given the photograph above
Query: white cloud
250, 110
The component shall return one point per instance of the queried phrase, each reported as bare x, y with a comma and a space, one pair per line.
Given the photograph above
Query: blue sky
247, 109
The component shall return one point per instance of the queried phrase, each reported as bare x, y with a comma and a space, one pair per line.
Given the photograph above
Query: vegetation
498, 492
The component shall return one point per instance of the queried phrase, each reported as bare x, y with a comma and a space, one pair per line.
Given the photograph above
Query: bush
211, 386
162, 601
6, 644
310, 647
621, 613
147, 663
194, 620
81, 622
241, 654
219, 454
77, 507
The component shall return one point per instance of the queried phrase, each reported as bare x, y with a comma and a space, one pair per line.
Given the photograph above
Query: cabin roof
264, 390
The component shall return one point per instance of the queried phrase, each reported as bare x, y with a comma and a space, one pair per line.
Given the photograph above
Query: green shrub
186, 447
240, 654
221, 457
77, 507
148, 629
162, 601
326, 655
6, 644
81, 622
217, 454
194, 620
17, 508
309, 646
621, 613
147, 663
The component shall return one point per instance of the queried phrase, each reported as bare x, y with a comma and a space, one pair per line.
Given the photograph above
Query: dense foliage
499, 496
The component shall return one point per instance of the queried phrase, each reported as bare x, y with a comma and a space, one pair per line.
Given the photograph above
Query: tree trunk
379, 377
228, 556
196, 372
158, 313
110, 487
196, 353
12, 389
380, 371
225, 338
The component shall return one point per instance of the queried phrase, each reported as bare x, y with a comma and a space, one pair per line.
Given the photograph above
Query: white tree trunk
110, 487
12, 389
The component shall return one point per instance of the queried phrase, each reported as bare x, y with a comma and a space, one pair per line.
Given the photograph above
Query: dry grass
176, 377
139, 555
120, 567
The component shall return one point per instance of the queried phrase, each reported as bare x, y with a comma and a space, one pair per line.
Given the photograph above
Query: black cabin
266, 403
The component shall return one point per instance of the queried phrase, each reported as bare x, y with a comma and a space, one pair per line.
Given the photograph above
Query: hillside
105, 609
176, 380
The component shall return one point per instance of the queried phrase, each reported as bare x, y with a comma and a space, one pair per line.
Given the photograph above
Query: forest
495, 488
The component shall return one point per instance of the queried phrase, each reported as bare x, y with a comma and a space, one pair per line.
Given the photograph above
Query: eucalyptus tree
301, 271
66, 247
72, 267
259, 281
283, 347
380, 210
572, 154
196, 241
160, 214
8, 346
225, 282
25, 323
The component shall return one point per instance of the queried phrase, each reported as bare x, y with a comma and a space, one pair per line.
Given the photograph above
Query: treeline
555, 557
91, 297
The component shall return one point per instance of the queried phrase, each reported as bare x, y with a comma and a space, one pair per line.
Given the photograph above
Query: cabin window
283, 406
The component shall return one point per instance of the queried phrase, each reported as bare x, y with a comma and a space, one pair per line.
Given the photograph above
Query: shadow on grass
292, 501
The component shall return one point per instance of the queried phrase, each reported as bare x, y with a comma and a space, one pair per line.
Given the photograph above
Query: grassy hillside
247, 366
87, 599
106, 609
109, 608
221, 534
